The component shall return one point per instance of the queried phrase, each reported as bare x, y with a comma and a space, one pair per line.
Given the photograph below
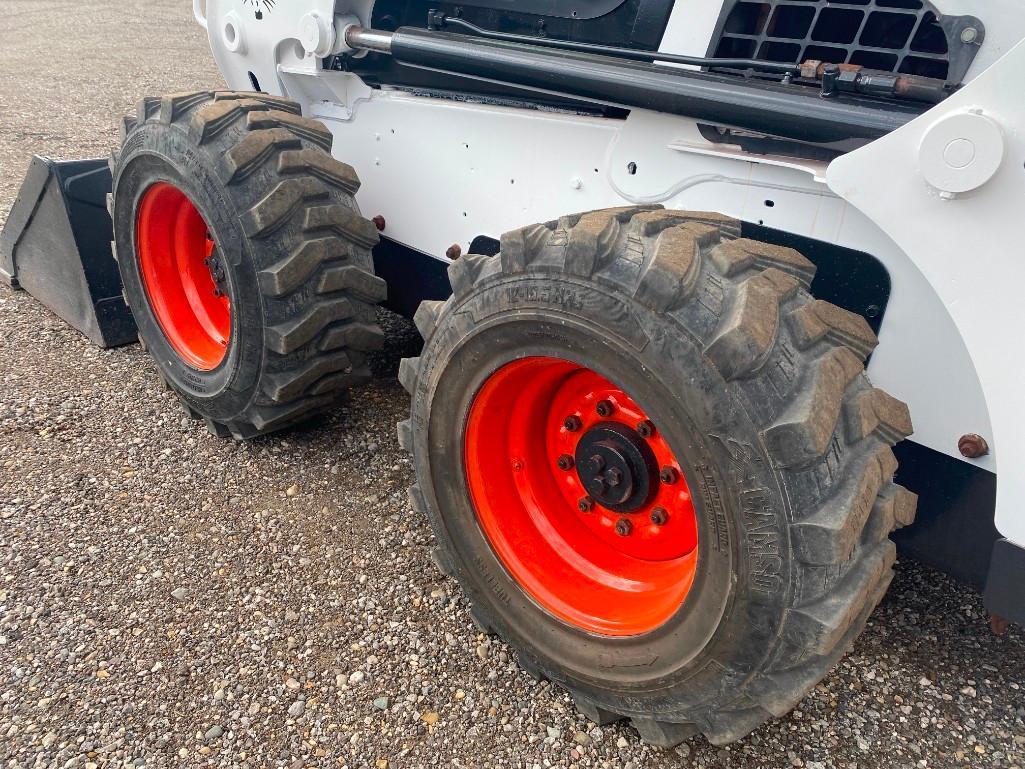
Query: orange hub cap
580, 497
183, 276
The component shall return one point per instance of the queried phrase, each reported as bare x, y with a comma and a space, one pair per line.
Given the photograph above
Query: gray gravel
169, 599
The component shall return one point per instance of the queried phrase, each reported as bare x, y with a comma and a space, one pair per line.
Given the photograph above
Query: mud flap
56, 246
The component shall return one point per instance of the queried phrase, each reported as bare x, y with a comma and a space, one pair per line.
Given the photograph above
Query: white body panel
971, 252
442, 172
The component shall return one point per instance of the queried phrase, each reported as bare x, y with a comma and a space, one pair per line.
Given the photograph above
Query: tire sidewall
730, 622
165, 153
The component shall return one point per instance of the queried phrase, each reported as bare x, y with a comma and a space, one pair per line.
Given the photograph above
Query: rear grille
890, 35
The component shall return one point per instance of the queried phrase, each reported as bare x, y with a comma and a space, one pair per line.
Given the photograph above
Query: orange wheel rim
183, 276
580, 497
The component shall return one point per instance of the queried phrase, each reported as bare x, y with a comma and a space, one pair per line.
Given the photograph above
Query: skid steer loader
650, 246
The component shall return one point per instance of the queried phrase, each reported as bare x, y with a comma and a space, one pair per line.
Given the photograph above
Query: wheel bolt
614, 476
604, 408
565, 462
646, 428
572, 423
624, 527
598, 462
659, 516
669, 475
586, 504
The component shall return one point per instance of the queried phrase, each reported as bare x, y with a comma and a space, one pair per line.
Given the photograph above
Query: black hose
767, 108
624, 53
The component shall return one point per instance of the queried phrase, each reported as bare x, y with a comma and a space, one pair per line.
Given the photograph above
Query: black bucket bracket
56, 246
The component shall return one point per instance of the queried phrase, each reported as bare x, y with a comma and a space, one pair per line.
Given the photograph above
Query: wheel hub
616, 467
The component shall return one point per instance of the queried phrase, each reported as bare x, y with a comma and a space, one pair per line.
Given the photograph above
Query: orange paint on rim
175, 256
532, 446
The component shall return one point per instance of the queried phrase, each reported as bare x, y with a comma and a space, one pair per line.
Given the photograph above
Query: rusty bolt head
565, 462
624, 527
659, 516
646, 429
669, 475
998, 624
972, 446
604, 408
454, 251
585, 505
572, 423
378, 222
614, 476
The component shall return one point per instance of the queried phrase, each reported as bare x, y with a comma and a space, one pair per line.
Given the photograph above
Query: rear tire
761, 394
292, 257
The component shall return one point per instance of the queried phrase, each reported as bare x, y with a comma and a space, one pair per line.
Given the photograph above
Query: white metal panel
443, 172
1003, 20
970, 250
427, 162
690, 28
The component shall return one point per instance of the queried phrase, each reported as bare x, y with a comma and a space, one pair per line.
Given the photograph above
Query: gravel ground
169, 599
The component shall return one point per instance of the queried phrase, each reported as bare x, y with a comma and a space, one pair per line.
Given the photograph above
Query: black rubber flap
56, 246
1004, 594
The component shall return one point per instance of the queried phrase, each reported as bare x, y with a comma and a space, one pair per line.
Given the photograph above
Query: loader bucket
56, 246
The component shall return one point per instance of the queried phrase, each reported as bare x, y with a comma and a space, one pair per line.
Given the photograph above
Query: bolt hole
230, 33
512, 181
770, 203
761, 221
464, 213
631, 168
596, 170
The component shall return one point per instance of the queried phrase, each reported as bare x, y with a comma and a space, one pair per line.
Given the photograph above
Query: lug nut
646, 428
614, 476
565, 462
598, 462
585, 505
378, 222
669, 475
972, 446
604, 408
659, 516
624, 527
572, 423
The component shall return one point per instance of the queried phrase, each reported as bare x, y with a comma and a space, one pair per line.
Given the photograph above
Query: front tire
244, 258
760, 396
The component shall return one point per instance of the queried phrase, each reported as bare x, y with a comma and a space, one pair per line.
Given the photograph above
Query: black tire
296, 253
764, 389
